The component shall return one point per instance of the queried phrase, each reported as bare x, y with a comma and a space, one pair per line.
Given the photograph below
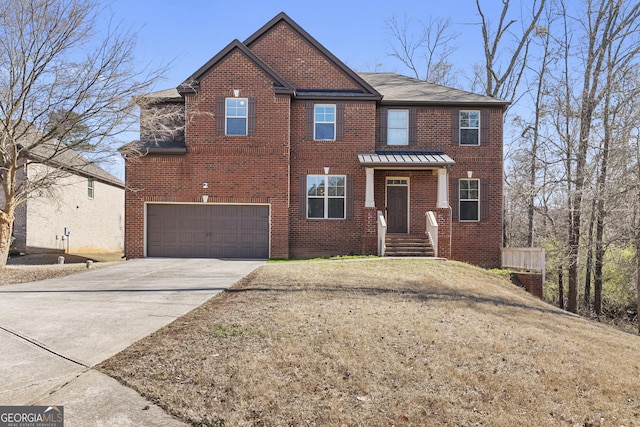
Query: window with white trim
326, 196
469, 200
469, 127
236, 115
90, 188
398, 127
324, 122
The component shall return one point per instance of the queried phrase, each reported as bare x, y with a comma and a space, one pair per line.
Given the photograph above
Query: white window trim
91, 188
335, 112
227, 116
460, 200
406, 142
460, 127
326, 197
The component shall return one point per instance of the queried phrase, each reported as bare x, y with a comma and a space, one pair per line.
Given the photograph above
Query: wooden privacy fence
524, 259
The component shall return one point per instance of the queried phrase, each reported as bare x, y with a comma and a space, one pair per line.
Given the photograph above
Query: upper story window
324, 122
90, 188
469, 127
326, 196
469, 200
398, 127
236, 114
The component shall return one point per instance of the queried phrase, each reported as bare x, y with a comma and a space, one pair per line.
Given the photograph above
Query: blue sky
189, 33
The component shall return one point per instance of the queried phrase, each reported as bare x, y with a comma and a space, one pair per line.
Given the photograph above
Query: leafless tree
609, 24
426, 53
56, 60
502, 79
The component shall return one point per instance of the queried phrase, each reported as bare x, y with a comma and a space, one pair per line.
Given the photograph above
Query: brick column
369, 231
443, 216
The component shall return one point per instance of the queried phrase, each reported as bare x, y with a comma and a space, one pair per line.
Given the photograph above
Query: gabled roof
280, 84
54, 154
367, 89
399, 89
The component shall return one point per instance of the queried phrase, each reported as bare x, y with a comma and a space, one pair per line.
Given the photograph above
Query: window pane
325, 113
398, 119
397, 136
470, 119
324, 131
336, 186
468, 211
236, 126
315, 186
468, 136
236, 106
315, 208
336, 208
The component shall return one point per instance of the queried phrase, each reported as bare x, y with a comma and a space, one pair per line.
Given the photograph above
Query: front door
397, 206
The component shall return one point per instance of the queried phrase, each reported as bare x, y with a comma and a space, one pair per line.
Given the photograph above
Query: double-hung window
90, 188
326, 196
324, 122
236, 115
469, 200
398, 127
469, 127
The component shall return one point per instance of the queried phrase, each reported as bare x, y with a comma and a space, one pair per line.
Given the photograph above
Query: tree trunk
6, 229
589, 260
561, 287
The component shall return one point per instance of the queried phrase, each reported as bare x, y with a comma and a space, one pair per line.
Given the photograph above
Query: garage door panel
220, 231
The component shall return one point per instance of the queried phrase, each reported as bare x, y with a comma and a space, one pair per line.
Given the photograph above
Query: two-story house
285, 152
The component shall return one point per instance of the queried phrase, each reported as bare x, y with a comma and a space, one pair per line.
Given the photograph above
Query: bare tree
54, 62
502, 80
426, 53
608, 23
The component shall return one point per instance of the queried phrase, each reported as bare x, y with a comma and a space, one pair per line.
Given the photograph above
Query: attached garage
207, 231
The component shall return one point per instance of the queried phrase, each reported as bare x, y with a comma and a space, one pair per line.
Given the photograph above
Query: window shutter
456, 126
339, 121
310, 121
484, 200
220, 115
484, 126
413, 134
349, 196
455, 198
251, 125
303, 197
383, 125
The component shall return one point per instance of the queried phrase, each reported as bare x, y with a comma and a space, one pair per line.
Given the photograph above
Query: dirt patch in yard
384, 342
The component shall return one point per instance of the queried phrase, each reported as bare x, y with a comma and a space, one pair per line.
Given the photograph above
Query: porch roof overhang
405, 159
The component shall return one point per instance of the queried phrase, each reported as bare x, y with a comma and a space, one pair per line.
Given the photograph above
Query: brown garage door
208, 231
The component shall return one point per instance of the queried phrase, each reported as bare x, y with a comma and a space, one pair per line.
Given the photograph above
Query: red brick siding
298, 62
247, 169
479, 243
315, 237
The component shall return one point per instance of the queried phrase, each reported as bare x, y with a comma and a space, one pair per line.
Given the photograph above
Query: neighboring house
82, 212
282, 151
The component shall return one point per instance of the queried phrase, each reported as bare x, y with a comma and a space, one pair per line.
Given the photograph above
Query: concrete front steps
399, 245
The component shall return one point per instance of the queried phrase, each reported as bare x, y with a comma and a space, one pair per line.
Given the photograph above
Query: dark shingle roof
396, 88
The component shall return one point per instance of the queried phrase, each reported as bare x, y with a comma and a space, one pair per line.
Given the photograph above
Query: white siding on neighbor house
96, 225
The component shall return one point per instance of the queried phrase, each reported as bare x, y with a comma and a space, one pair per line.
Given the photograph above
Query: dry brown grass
31, 268
381, 343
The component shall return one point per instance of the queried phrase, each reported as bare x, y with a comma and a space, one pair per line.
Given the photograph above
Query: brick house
282, 151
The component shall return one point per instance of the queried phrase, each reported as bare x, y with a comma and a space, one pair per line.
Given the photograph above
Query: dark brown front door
397, 208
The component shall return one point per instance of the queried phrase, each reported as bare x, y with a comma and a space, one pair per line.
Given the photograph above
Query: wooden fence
524, 259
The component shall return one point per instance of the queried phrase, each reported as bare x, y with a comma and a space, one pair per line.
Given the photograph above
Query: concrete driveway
52, 332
